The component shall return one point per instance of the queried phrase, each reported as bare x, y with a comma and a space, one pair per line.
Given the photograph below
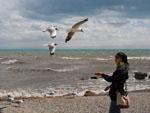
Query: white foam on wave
95, 86
103, 59
138, 87
13, 61
130, 58
71, 58
70, 90
61, 70
20, 93
12, 68
1, 58
139, 58
56, 91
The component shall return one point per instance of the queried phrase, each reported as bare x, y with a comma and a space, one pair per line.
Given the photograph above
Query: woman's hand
99, 74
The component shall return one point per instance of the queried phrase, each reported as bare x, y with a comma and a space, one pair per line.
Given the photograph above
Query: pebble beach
140, 103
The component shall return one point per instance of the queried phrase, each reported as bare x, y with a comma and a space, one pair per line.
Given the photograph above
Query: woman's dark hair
123, 56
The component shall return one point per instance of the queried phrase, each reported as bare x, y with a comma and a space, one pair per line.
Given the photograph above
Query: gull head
82, 30
55, 27
55, 44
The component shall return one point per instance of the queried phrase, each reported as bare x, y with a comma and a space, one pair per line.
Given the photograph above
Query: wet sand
140, 103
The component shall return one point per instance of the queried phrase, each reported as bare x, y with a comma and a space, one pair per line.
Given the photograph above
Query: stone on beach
18, 101
140, 75
90, 93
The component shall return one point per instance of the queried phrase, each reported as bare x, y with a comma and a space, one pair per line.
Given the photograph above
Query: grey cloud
49, 9
111, 23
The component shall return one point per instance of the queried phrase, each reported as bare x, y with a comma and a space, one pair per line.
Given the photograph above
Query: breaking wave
17, 69
13, 61
139, 58
71, 58
103, 59
96, 86
130, 58
1, 58
8, 61
61, 70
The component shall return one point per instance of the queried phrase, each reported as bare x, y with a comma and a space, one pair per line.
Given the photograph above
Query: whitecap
139, 58
1, 58
13, 61
60, 70
103, 59
63, 90
138, 87
71, 58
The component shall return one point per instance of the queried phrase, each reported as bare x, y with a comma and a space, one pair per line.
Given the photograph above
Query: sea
34, 73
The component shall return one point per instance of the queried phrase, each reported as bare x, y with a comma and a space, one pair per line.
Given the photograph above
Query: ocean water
32, 72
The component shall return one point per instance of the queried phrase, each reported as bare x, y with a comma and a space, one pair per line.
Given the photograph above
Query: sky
113, 24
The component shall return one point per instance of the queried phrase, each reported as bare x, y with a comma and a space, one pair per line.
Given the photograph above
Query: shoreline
140, 102
71, 95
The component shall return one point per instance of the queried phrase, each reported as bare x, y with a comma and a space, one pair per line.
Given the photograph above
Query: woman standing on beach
117, 80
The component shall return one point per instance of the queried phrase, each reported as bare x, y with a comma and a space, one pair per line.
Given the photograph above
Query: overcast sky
112, 23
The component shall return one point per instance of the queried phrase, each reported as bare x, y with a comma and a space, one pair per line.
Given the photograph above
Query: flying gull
52, 48
75, 28
52, 31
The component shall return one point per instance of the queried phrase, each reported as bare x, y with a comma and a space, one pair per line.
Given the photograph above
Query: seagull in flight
52, 31
52, 48
75, 28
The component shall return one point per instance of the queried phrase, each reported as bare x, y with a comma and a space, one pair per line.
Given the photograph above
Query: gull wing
50, 47
50, 31
77, 25
69, 36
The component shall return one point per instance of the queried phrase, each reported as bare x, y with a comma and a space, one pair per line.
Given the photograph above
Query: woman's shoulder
124, 67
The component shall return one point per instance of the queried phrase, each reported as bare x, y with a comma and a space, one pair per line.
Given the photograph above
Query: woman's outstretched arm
106, 77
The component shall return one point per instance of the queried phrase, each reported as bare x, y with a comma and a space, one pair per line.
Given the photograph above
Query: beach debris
140, 75
75, 28
49, 94
19, 102
10, 98
90, 93
52, 31
69, 95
